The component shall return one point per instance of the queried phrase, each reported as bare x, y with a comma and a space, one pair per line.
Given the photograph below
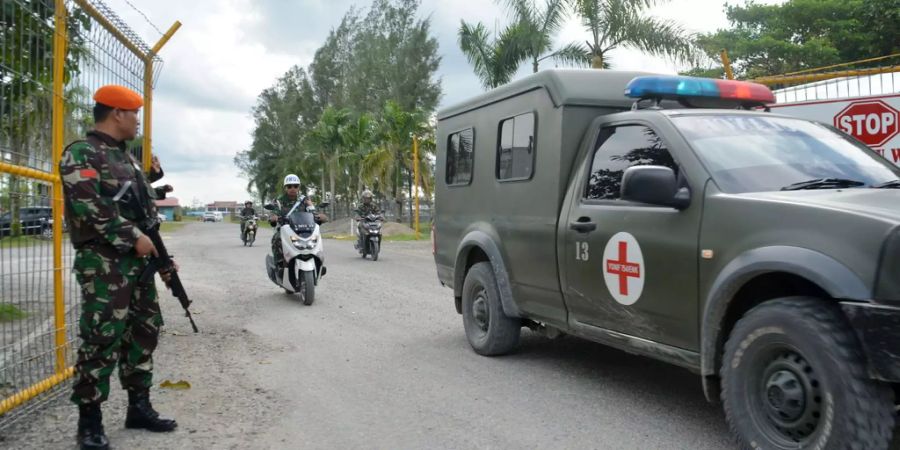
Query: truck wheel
308, 290
793, 376
489, 331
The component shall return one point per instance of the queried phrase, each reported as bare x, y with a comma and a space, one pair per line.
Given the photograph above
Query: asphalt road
379, 361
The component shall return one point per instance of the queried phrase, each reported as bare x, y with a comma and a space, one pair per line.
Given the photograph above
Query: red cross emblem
623, 268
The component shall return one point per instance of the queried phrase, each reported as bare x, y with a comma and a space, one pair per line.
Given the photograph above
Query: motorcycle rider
365, 208
246, 214
284, 203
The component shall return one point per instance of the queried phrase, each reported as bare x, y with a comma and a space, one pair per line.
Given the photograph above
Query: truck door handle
583, 225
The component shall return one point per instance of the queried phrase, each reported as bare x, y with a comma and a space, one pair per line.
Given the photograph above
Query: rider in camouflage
284, 203
368, 206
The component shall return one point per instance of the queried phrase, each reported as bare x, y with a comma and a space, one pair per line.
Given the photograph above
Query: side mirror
270, 207
655, 185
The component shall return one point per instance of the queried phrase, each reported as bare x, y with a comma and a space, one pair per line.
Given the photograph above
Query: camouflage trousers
119, 323
277, 252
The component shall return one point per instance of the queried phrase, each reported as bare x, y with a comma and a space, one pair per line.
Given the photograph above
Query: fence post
726, 63
58, 111
147, 150
415, 192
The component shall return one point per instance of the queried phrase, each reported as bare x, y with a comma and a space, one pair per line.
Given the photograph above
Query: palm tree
388, 161
359, 137
495, 62
614, 23
329, 134
542, 25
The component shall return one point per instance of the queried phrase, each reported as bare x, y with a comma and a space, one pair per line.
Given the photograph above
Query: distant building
225, 208
168, 207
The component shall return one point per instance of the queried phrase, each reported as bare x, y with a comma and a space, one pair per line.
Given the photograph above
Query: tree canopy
333, 123
803, 34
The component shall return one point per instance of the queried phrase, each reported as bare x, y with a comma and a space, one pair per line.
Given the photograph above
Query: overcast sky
227, 51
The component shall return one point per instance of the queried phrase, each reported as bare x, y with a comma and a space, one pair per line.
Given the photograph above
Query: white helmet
291, 179
367, 194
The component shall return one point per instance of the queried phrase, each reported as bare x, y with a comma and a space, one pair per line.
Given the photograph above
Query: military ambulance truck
673, 218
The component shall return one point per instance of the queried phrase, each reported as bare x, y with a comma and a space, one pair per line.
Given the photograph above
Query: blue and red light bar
675, 87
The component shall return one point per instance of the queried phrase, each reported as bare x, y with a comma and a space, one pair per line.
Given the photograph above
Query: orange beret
116, 96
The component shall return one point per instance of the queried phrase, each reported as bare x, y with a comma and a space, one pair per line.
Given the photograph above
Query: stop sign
873, 122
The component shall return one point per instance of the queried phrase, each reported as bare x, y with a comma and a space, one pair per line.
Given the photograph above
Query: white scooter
301, 245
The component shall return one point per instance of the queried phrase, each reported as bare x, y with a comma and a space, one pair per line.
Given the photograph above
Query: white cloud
227, 51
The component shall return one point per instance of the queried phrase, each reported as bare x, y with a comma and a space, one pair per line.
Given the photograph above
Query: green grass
20, 241
398, 238
170, 227
423, 236
8, 313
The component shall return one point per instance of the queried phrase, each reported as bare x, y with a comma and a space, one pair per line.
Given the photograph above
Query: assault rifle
164, 263
130, 198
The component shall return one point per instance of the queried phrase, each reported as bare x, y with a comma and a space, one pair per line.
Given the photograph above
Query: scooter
301, 245
369, 230
250, 228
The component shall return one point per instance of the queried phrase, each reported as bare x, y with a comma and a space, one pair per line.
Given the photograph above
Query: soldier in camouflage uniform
367, 207
284, 203
120, 320
245, 214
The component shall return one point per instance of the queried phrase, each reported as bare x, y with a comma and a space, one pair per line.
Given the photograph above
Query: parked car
33, 219
47, 229
210, 216
161, 217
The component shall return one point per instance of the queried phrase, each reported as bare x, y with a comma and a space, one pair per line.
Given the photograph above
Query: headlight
887, 287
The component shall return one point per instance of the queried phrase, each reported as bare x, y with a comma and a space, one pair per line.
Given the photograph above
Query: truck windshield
758, 154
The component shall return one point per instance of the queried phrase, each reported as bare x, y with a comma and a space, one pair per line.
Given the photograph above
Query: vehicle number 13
582, 251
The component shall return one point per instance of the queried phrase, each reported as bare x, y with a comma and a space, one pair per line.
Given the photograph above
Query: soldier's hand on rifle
144, 246
166, 275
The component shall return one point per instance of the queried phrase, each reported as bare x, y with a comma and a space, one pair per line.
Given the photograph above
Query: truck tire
489, 331
793, 376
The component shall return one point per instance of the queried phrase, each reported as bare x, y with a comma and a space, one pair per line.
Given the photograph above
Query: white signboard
873, 120
624, 270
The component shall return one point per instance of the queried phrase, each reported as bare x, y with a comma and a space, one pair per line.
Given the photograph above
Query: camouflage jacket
284, 204
93, 171
247, 212
368, 208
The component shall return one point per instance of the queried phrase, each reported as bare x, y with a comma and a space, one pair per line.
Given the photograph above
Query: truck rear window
460, 146
755, 153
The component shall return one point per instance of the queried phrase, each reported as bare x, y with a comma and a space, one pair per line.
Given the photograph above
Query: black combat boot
142, 415
90, 428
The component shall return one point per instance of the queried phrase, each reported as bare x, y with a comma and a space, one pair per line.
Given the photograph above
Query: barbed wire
147, 19
123, 27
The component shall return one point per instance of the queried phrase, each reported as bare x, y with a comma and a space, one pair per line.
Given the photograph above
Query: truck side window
515, 152
619, 148
460, 159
